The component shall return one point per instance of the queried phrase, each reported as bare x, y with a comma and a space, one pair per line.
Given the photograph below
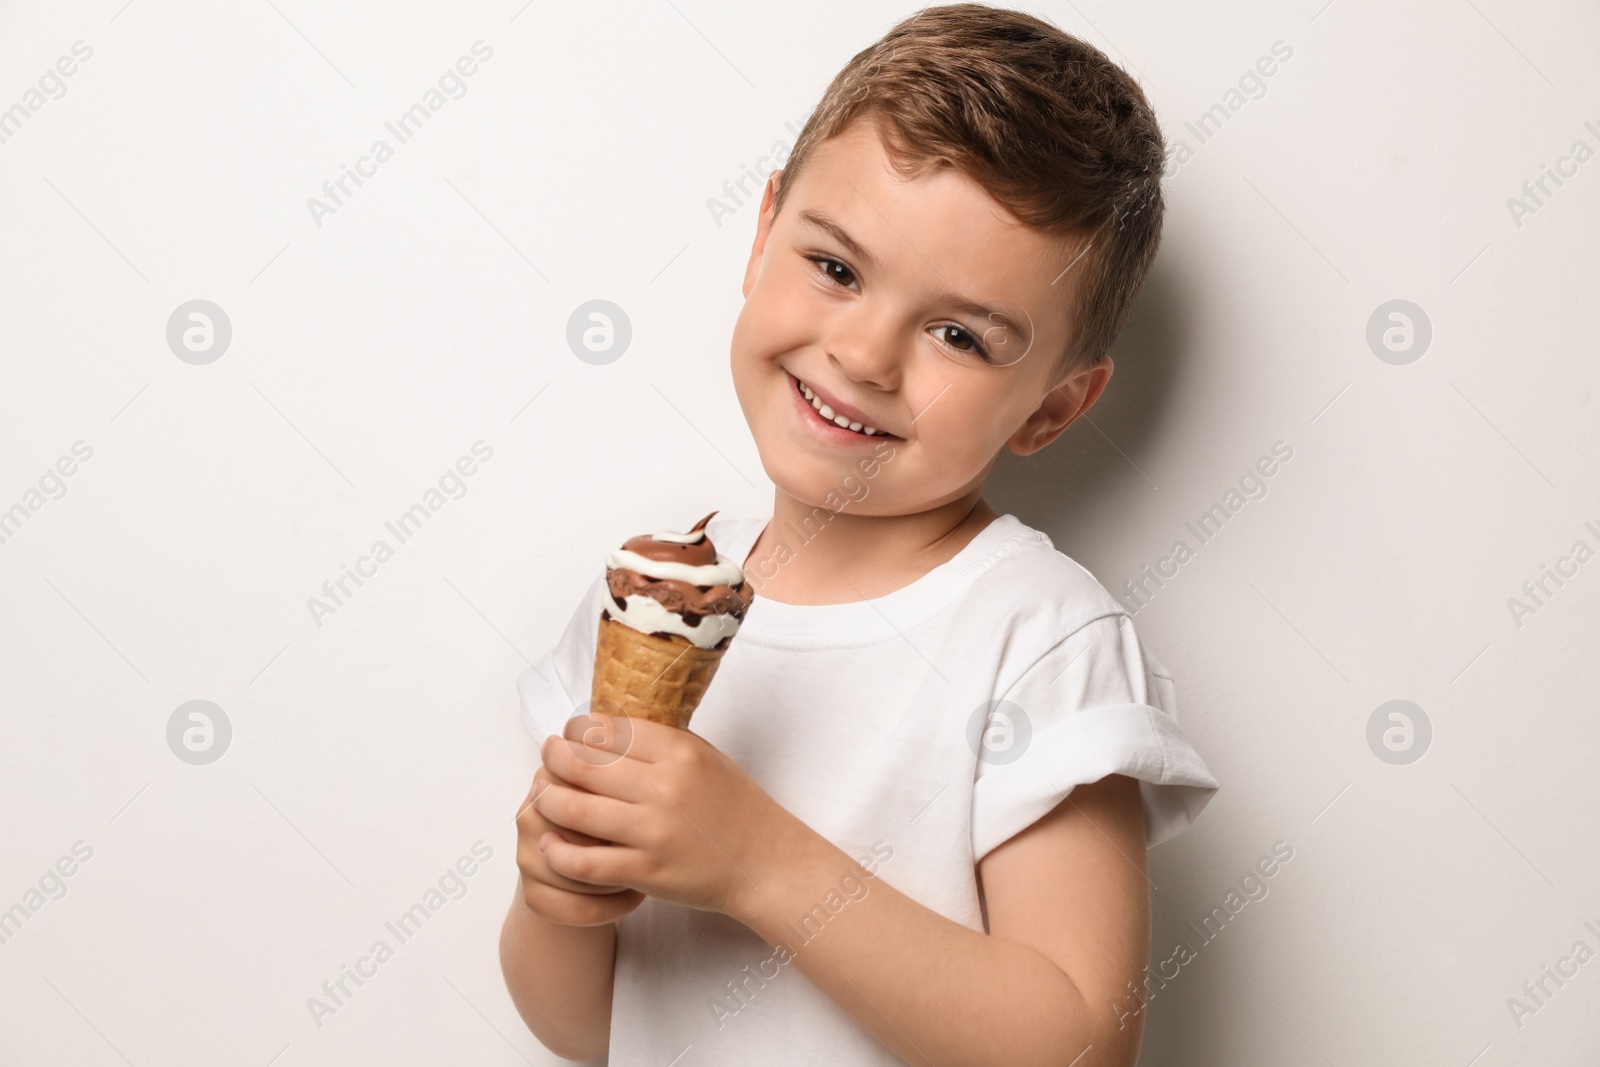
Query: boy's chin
843, 492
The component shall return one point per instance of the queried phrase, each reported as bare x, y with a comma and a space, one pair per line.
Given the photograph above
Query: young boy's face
919, 307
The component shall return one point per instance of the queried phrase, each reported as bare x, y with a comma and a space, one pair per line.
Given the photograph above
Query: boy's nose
869, 347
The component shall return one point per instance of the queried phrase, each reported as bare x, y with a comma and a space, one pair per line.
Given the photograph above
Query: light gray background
371, 752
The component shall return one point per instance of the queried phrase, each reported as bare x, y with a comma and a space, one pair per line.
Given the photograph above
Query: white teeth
838, 420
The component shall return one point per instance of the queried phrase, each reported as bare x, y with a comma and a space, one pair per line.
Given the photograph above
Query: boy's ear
1061, 406
752, 269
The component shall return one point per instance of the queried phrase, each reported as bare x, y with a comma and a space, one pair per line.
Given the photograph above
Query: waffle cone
647, 677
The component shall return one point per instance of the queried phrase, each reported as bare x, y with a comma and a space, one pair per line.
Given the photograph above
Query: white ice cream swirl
648, 614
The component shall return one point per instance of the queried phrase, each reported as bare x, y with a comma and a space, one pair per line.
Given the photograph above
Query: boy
910, 821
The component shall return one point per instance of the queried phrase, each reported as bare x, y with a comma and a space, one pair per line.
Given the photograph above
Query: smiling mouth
827, 414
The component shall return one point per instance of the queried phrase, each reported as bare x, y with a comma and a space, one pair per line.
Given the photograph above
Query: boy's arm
558, 947
1069, 921
559, 978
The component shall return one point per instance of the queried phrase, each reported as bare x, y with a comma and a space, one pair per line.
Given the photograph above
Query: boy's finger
579, 909
607, 738
573, 762
602, 865
530, 823
602, 818
544, 778
577, 837
550, 877
531, 860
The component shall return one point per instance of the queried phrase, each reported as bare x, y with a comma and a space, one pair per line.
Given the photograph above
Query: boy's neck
808, 555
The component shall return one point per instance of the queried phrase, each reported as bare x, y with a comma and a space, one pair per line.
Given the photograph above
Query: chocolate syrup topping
699, 554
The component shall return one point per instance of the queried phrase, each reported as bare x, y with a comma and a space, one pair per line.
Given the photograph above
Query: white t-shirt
866, 721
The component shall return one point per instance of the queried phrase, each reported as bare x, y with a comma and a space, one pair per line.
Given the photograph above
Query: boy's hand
551, 895
686, 823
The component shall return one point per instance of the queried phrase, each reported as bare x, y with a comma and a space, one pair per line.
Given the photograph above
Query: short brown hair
1052, 129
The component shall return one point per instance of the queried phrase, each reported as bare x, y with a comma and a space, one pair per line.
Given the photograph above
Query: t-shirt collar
861, 622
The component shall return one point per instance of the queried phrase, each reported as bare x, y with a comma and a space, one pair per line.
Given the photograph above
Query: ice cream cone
645, 676
675, 605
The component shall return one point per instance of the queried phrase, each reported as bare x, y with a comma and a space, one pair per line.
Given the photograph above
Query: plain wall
374, 746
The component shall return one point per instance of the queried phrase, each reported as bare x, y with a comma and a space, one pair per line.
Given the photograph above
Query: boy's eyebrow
838, 233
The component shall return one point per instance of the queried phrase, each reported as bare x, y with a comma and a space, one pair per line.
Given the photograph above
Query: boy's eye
834, 270
961, 339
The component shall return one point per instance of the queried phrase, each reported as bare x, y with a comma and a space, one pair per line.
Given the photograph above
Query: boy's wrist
802, 870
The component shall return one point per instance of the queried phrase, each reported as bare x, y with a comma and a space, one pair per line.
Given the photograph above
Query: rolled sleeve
1094, 705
